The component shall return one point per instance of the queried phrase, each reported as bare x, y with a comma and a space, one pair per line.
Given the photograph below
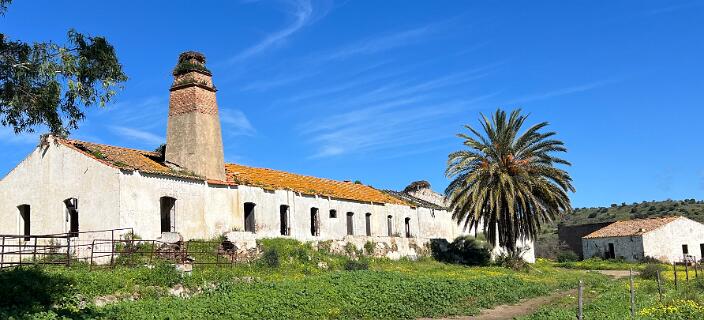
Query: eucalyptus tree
50, 84
506, 180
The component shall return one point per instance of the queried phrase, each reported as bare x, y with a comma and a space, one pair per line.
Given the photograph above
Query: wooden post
633, 295
674, 269
686, 271
2, 254
68, 249
659, 285
34, 254
92, 250
112, 247
696, 272
579, 298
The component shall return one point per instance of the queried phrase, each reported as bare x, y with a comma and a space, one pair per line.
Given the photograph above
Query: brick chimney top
191, 61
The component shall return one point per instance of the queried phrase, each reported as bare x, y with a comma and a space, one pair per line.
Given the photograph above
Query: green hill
548, 245
690, 208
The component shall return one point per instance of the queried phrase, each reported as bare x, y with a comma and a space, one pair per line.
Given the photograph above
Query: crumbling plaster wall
51, 174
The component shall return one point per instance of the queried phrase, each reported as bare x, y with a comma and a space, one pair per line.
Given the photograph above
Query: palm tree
507, 181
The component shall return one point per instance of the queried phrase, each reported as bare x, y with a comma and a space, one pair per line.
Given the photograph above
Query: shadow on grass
25, 291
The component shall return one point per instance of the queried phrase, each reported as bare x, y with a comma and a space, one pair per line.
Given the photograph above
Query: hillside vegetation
548, 245
689, 208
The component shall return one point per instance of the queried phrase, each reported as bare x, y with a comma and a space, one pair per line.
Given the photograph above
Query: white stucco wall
628, 248
666, 243
110, 198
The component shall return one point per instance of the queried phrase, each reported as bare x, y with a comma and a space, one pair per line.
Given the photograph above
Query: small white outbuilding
668, 239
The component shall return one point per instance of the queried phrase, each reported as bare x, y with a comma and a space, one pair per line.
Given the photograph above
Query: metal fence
109, 248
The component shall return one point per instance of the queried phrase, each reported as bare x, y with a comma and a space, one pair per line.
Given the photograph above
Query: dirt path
529, 306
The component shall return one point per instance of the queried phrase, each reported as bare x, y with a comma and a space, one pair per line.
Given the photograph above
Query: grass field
302, 284
611, 299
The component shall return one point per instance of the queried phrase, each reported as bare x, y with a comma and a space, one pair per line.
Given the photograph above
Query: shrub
567, 256
650, 271
369, 248
270, 258
351, 249
513, 259
463, 250
354, 265
163, 274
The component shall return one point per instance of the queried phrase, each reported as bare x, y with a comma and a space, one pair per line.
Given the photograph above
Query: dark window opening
408, 227
333, 214
701, 250
390, 226
350, 223
611, 254
314, 222
283, 214
24, 216
368, 223
249, 222
168, 214
685, 249
72, 216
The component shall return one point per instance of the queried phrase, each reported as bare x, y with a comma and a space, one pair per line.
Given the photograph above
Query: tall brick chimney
193, 134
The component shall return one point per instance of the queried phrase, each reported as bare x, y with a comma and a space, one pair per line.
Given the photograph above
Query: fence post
34, 254
112, 247
674, 268
659, 286
579, 299
633, 294
68, 249
686, 271
92, 249
2, 253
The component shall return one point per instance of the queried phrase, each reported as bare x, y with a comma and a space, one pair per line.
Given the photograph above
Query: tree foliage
506, 180
45, 83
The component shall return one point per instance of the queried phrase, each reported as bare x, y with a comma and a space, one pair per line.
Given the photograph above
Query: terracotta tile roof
627, 228
127, 159
280, 180
149, 162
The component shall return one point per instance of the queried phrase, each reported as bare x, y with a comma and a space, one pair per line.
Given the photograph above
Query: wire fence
681, 280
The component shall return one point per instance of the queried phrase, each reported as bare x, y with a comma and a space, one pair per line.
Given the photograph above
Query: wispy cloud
398, 124
235, 123
672, 8
381, 43
562, 91
139, 135
302, 14
7, 135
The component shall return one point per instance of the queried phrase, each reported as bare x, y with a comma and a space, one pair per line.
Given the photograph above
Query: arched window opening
168, 214
249, 221
350, 223
72, 216
368, 224
408, 227
314, 222
25, 220
284, 217
390, 226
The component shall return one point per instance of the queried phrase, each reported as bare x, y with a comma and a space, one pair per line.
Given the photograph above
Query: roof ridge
108, 145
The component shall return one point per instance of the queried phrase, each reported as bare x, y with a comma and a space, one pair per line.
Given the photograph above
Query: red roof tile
627, 228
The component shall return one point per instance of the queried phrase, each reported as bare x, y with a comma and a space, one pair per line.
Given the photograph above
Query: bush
354, 265
513, 259
270, 258
567, 256
651, 271
369, 248
464, 250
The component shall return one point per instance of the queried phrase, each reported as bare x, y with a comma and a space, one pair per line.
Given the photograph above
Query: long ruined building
79, 188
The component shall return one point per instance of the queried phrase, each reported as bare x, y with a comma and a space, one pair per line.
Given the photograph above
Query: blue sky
376, 90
